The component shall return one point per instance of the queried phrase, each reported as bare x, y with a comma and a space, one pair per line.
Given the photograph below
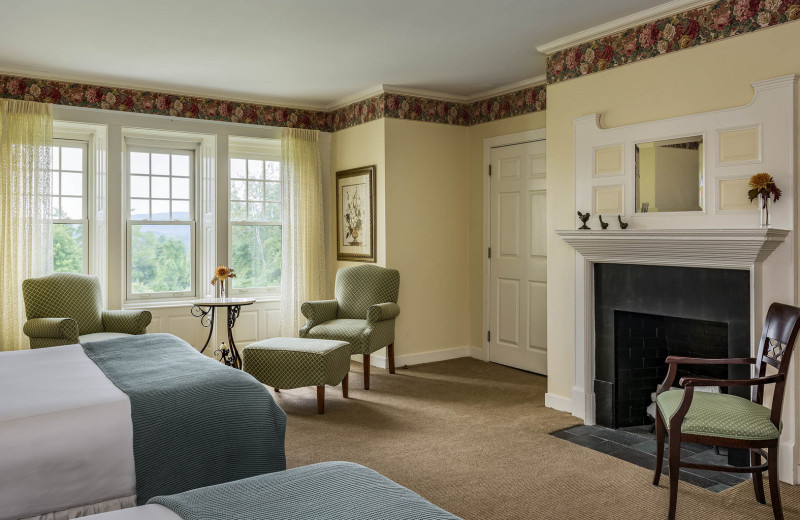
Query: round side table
205, 309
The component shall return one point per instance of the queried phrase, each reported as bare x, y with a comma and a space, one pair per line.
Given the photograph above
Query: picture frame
355, 214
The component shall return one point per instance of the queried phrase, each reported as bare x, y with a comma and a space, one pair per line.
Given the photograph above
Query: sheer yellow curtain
26, 140
303, 268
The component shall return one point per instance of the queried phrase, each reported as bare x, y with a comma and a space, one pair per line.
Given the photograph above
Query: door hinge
489, 335
490, 252
490, 170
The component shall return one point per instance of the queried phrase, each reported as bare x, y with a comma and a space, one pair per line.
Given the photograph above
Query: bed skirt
105, 506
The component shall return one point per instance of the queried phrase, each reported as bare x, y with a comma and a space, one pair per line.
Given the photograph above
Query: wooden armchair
728, 420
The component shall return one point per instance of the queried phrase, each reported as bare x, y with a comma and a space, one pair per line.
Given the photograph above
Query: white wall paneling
738, 142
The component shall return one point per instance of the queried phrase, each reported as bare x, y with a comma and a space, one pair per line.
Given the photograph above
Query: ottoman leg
390, 351
345, 382
366, 371
321, 399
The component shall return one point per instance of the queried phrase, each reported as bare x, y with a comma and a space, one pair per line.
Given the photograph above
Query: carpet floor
473, 438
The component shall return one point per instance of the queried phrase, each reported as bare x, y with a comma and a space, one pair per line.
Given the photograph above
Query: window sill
145, 305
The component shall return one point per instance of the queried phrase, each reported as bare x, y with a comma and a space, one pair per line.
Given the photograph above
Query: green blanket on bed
196, 422
325, 491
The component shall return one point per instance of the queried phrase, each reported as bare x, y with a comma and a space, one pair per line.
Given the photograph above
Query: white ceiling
299, 52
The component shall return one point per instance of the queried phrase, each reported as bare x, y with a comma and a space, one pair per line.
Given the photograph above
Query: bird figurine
603, 225
622, 225
584, 218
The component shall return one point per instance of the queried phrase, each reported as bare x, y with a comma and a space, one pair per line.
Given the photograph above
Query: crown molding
167, 88
432, 94
621, 24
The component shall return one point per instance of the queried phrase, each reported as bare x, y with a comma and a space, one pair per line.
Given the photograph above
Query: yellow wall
709, 77
353, 147
427, 232
477, 173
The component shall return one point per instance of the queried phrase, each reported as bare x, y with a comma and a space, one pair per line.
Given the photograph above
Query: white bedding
148, 512
66, 437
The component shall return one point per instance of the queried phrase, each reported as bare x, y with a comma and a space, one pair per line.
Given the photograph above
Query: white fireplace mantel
715, 248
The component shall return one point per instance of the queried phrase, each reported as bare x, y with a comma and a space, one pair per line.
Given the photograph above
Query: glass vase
764, 203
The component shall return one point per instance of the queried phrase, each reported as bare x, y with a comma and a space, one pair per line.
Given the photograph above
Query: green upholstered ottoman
297, 362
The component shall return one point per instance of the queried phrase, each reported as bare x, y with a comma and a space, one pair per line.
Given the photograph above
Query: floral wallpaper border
395, 106
706, 24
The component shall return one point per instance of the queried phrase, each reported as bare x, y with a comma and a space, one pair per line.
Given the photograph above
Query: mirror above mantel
669, 175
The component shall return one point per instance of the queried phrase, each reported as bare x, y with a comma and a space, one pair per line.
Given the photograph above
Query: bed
107, 425
324, 491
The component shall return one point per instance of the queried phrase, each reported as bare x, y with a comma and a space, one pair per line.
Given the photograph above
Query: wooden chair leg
660, 434
758, 480
345, 382
390, 352
774, 484
674, 470
366, 371
321, 399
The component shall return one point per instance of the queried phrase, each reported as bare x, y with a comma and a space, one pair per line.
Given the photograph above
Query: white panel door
518, 261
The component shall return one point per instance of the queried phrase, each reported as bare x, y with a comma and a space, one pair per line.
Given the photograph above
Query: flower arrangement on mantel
762, 186
221, 274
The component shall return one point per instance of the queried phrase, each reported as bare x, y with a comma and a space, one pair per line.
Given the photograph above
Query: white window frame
83, 144
158, 145
261, 149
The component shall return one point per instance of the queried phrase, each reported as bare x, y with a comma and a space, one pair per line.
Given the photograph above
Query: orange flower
222, 273
763, 184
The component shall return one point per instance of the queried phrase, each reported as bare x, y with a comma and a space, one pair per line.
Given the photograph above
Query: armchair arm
382, 312
680, 360
65, 328
318, 312
757, 381
126, 322
674, 361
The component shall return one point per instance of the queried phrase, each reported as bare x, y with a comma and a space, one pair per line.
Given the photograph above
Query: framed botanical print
355, 214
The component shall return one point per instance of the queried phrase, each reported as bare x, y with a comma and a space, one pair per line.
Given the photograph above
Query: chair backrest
777, 343
65, 295
359, 287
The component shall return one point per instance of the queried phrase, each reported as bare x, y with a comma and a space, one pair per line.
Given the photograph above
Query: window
255, 220
160, 222
70, 209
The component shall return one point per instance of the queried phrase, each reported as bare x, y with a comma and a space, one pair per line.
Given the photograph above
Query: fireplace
644, 313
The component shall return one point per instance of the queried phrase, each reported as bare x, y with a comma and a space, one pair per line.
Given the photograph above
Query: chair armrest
65, 328
382, 312
697, 381
674, 361
318, 312
680, 360
126, 322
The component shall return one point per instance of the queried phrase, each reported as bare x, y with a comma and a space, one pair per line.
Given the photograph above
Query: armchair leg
345, 382
758, 480
366, 371
321, 399
674, 469
660, 434
774, 484
390, 352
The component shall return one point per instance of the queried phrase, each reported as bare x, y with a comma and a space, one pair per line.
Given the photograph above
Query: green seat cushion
297, 362
720, 415
351, 331
100, 336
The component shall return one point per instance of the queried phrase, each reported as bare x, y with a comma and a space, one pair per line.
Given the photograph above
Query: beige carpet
472, 437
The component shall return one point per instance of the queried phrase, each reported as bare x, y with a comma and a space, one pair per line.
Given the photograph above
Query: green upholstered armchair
65, 308
362, 314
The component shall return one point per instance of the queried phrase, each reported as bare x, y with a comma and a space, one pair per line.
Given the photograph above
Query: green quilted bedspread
325, 491
196, 422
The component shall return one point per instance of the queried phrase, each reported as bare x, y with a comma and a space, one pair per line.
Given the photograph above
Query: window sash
129, 222
84, 222
269, 290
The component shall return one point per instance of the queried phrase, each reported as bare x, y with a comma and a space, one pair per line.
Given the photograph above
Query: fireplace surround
644, 313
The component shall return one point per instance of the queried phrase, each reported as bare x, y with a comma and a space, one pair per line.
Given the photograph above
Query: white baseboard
556, 402
477, 353
787, 463
378, 359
